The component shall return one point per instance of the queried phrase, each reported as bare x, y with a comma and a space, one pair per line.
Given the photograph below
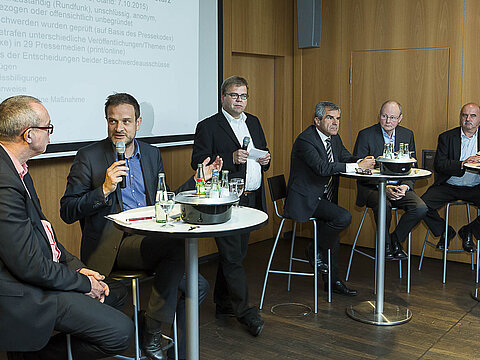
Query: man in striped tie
318, 156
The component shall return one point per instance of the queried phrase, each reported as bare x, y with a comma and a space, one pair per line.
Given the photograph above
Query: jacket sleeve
81, 199
21, 252
308, 153
443, 164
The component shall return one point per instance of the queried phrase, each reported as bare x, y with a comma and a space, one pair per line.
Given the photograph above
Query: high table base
476, 292
392, 314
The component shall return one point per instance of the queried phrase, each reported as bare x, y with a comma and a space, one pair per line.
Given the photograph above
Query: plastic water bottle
160, 215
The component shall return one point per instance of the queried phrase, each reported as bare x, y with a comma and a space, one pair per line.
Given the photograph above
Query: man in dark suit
318, 156
400, 194
223, 135
42, 286
92, 193
455, 148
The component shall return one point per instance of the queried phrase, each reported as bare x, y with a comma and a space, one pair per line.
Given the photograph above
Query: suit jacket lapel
110, 158
149, 177
223, 123
457, 144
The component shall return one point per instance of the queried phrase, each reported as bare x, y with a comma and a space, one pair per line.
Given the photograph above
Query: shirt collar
462, 135
230, 118
22, 169
388, 136
323, 137
136, 151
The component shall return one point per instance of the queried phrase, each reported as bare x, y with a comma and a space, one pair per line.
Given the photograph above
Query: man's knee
120, 337
344, 219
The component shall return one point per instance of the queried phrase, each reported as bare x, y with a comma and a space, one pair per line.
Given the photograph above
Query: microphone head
120, 147
246, 141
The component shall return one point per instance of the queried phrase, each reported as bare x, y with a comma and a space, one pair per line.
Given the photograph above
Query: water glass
167, 203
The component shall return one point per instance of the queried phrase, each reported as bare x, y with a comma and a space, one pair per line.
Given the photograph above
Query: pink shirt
22, 170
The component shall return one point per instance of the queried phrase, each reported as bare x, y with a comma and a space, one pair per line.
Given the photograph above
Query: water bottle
160, 215
200, 182
401, 151
224, 186
215, 189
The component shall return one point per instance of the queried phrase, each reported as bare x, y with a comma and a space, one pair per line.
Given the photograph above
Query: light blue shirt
387, 139
469, 148
133, 195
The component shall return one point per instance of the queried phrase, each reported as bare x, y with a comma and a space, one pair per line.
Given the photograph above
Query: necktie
329, 187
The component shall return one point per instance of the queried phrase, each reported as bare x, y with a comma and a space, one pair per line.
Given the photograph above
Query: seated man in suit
93, 191
318, 156
400, 194
42, 286
455, 148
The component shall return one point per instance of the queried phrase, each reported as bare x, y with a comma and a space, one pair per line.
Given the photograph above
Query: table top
414, 174
244, 219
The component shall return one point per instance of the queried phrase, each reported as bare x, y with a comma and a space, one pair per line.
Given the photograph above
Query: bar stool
278, 192
446, 249
354, 249
135, 276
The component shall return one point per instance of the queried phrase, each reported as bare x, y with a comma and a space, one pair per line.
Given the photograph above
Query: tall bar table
378, 312
244, 219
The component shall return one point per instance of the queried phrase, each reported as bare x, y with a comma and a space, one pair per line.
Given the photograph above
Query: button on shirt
469, 148
133, 195
253, 178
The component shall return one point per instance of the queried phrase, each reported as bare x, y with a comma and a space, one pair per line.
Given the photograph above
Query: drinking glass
240, 185
167, 203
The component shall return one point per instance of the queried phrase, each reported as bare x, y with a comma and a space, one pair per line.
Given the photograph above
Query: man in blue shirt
92, 193
455, 148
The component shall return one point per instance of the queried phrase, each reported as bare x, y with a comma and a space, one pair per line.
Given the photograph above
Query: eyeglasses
235, 96
391, 118
48, 128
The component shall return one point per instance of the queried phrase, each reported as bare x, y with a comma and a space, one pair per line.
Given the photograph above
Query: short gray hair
322, 107
16, 115
388, 102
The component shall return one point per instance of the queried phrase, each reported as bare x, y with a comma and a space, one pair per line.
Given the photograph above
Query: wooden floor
445, 321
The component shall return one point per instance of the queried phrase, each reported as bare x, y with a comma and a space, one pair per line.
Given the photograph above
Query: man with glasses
400, 194
455, 148
231, 134
44, 287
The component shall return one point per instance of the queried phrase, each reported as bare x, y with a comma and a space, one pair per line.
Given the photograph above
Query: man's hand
471, 159
208, 170
114, 176
99, 289
395, 192
240, 156
264, 160
89, 272
368, 162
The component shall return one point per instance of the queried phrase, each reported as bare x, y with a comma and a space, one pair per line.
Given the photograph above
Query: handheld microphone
246, 141
120, 147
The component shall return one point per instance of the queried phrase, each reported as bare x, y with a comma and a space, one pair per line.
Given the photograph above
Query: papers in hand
256, 153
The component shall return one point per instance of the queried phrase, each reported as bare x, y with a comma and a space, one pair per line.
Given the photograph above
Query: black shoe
321, 265
467, 240
224, 312
152, 345
397, 249
338, 287
441, 242
389, 254
254, 323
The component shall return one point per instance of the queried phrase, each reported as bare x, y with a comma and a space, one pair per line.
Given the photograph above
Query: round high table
378, 312
475, 167
142, 222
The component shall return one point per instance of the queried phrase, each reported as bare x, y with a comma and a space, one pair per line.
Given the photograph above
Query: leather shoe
322, 266
467, 240
152, 345
224, 312
254, 324
441, 242
389, 254
338, 287
398, 252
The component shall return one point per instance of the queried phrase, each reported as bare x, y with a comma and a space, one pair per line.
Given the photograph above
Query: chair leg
136, 297
400, 271
409, 261
270, 262
446, 245
355, 243
315, 268
423, 250
175, 337
329, 276
478, 256
69, 347
291, 254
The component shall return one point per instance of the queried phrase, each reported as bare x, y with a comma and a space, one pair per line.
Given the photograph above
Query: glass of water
167, 203
237, 186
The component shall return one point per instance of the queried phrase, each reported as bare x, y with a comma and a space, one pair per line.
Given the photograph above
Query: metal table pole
378, 312
191, 298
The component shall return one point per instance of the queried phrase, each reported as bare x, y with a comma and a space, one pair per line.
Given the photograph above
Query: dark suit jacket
84, 201
214, 136
370, 142
29, 279
447, 158
310, 171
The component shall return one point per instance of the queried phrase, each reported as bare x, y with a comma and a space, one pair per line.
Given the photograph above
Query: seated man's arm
443, 164
307, 152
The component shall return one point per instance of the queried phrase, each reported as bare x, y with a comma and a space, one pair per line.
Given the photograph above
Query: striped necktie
329, 187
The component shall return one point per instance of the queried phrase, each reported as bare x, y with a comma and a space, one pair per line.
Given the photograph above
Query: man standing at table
455, 148
400, 194
42, 286
93, 192
318, 156
224, 134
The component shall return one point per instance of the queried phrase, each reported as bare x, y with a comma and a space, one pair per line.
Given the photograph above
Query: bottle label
160, 216
200, 187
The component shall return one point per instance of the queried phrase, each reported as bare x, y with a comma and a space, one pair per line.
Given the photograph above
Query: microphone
120, 147
246, 141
